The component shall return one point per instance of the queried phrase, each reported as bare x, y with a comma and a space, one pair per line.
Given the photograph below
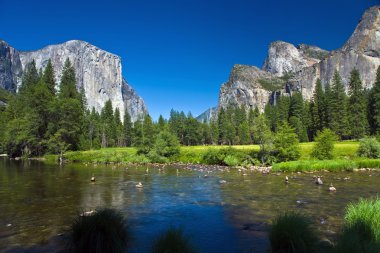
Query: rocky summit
289, 68
98, 72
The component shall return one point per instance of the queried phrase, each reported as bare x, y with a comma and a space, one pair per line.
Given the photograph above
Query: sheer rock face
10, 67
244, 88
307, 63
285, 58
98, 72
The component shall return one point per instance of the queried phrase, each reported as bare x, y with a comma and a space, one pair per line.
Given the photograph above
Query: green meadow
344, 157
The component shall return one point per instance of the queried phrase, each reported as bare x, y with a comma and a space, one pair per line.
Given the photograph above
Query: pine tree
118, 128
49, 77
67, 87
317, 108
327, 107
30, 77
338, 109
161, 124
263, 137
286, 143
222, 127
357, 106
128, 129
108, 131
374, 105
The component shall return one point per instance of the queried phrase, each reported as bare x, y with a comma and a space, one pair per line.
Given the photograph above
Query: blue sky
176, 54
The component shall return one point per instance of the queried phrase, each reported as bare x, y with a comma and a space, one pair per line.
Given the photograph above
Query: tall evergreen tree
357, 106
374, 105
49, 77
67, 87
128, 129
30, 77
317, 108
118, 128
338, 107
222, 126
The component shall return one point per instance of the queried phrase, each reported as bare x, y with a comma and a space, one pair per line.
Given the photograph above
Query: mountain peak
366, 37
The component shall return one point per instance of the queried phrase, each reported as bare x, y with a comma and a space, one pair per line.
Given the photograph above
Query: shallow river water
39, 201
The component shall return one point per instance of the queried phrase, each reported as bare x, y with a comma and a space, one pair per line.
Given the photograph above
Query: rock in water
97, 71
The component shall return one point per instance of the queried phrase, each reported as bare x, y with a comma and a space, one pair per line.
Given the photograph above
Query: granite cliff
98, 72
289, 68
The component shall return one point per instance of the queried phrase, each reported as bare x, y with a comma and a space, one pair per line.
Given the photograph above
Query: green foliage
318, 165
291, 232
369, 147
338, 107
272, 83
357, 106
357, 237
286, 144
374, 105
361, 232
231, 160
173, 241
264, 138
104, 231
166, 145
324, 146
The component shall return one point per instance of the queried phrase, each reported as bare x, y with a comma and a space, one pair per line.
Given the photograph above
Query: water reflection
38, 201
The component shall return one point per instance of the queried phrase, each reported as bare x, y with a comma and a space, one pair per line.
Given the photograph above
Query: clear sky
176, 54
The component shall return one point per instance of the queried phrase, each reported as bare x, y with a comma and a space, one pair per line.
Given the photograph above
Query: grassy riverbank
344, 154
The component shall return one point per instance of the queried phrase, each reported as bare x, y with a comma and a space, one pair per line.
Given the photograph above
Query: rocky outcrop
252, 87
98, 72
285, 58
10, 67
247, 86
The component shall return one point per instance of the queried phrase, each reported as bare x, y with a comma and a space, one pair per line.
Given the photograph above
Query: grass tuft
104, 231
361, 231
291, 232
173, 241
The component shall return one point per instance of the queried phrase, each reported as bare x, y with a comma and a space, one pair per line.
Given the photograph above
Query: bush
324, 146
231, 160
226, 156
166, 145
361, 231
286, 144
104, 231
369, 147
291, 232
173, 241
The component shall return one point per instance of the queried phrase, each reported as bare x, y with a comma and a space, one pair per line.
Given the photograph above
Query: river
38, 202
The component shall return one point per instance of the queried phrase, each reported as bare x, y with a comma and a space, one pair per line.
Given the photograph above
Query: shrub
324, 146
166, 144
231, 160
369, 147
286, 144
104, 231
291, 232
173, 241
212, 156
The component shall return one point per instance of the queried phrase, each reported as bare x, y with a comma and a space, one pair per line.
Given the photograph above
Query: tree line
44, 117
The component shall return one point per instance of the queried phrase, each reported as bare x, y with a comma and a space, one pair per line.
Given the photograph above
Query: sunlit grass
361, 232
194, 154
